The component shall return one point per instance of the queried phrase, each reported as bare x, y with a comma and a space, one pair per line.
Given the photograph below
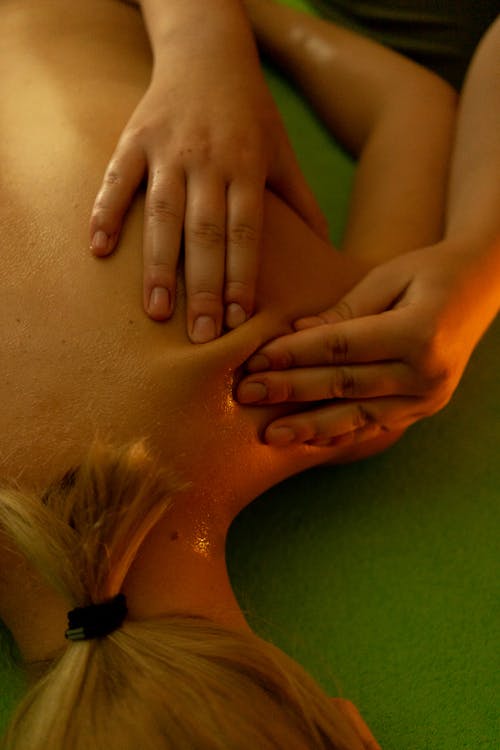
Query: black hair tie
96, 620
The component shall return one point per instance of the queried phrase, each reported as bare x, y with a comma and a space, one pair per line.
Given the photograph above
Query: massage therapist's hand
389, 353
209, 136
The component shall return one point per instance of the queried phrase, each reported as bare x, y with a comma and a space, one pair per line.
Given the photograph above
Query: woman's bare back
79, 353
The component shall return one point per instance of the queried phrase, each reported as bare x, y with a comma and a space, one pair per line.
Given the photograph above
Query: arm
209, 136
168, 21
401, 339
473, 212
394, 115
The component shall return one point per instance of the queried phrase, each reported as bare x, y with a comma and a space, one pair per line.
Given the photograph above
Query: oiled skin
78, 354
78, 351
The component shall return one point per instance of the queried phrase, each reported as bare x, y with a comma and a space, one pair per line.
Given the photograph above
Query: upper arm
474, 202
357, 81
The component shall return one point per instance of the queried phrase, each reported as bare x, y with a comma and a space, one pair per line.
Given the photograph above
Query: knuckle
200, 147
425, 344
137, 132
347, 382
362, 417
286, 391
162, 210
435, 371
341, 383
283, 360
242, 235
438, 376
194, 148
431, 360
439, 395
208, 233
104, 203
344, 310
101, 210
279, 390
250, 159
336, 347
112, 177
248, 144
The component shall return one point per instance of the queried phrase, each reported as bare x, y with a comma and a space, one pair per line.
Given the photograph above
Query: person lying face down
144, 510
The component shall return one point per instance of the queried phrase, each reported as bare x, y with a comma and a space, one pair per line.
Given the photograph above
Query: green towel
381, 577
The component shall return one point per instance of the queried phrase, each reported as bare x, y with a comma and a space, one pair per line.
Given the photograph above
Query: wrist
194, 23
477, 263
478, 250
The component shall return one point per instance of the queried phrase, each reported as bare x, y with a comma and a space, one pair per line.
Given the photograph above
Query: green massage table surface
380, 577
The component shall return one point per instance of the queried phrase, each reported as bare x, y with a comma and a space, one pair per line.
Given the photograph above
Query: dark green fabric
440, 34
381, 578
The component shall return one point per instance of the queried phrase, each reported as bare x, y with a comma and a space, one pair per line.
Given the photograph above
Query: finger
289, 182
375, 293
205, 238
348, 421
244, 228
163, 221
326, 383
371, 339
121, 179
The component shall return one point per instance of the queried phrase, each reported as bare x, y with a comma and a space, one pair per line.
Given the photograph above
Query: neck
181, 567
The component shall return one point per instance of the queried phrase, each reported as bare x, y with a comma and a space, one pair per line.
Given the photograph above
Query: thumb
375, 293
287, 181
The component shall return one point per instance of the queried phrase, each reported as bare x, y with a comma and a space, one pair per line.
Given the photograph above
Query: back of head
177, 682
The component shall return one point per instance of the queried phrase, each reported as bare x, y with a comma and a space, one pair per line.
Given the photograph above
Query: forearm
196, 23
394, 115
473, 213
398, 199
349, 79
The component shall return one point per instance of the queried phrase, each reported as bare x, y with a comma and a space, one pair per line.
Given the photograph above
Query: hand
209, 136
392, 351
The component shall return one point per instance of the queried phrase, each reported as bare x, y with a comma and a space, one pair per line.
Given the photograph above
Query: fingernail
258, 362
249, 392
235, 315
203, 330
159, 301
99, 240
280, 435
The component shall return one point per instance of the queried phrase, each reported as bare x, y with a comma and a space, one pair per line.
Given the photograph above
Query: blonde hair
177, 682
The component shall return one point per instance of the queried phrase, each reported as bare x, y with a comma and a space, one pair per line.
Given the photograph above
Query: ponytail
175, 682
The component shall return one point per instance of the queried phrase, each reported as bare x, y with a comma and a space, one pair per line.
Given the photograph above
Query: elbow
438, 93
426, 107
414, 104
423, 90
